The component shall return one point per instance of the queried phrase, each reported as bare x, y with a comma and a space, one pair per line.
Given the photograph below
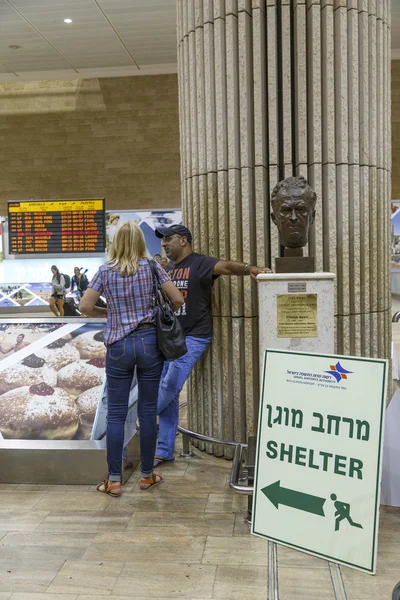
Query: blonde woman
130, 337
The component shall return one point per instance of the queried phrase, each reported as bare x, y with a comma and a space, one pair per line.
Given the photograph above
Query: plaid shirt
129, 299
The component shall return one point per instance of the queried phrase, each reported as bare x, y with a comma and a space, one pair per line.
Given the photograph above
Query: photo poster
395, 221
27, 294
148, 222
51, 380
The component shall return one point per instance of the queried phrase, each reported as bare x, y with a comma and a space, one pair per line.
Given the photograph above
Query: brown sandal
112, 490
148, 482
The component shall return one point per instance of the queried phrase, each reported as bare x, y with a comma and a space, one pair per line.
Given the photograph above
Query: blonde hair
113, 217
127, 248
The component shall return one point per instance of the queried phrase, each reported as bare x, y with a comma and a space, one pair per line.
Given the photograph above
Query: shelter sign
319, 450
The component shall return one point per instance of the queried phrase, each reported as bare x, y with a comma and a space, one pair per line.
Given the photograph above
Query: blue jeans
173, 377
139, 349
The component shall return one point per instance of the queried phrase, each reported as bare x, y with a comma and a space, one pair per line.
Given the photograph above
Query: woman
58, 294
113, 225
130, 336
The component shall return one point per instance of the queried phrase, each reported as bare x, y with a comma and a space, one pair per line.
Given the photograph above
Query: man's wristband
246, 267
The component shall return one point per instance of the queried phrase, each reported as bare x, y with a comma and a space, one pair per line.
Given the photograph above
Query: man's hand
232, 267
254, 271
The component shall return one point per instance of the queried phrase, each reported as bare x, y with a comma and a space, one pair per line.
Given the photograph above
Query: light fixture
67, 20
14, 47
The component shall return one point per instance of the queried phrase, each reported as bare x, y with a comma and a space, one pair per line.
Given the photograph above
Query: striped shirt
129, 299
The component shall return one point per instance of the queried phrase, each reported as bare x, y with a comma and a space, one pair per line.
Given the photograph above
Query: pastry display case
53, 401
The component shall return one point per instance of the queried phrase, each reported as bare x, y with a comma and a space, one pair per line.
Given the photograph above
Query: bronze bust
293, 212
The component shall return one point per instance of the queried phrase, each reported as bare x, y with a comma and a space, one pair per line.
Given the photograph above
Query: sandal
112, 490
148, 482
159, 460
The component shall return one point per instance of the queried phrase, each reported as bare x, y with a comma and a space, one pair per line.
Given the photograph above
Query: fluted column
269, 89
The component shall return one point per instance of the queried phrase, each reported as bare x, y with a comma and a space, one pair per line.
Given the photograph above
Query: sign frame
378, 468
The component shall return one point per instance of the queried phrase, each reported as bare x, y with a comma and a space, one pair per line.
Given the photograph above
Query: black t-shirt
194, 277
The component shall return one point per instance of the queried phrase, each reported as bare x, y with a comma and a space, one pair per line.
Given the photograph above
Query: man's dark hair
290, 183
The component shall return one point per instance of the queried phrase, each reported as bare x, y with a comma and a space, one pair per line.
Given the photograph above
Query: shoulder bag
171, 338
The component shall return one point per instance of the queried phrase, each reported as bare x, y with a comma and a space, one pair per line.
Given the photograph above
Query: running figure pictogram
343, 512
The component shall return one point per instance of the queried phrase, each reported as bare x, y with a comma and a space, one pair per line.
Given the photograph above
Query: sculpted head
293, 210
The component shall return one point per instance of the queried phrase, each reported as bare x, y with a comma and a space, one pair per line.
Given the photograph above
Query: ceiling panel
86, 43
148, 29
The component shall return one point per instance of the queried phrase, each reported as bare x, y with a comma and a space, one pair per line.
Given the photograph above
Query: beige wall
115, 137
396, 129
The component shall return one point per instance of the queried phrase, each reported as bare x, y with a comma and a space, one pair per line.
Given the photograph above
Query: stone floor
185, 538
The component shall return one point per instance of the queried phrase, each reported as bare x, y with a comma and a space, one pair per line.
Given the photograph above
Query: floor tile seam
215, 581
55, 575
116, 579
154, 535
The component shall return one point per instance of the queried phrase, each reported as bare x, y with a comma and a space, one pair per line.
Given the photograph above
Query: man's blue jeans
173, 377
138, 349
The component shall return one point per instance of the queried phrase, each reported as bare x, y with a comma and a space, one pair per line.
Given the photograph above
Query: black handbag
171, 338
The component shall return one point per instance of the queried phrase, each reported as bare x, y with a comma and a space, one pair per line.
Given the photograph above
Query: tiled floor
185, 538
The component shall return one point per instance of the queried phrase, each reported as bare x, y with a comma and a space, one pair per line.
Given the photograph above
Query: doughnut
38, 412
81, 375
90, 344
86, 405
58, 357
22, 375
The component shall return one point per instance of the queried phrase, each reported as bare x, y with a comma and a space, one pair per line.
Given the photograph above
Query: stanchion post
396, 592
186, 446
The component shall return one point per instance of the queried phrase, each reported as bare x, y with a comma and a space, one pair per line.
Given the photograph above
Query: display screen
56, 226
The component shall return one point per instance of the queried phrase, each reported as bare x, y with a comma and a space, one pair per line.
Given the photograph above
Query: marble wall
113, 137
268, 89
396, 129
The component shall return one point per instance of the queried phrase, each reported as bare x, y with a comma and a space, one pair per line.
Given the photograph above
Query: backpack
67, 280
83, 283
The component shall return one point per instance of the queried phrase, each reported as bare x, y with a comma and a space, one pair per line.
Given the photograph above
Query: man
19, 344
164, 262
194, 275
157, 258
293, 211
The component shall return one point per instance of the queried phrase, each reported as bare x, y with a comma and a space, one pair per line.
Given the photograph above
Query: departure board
56, 226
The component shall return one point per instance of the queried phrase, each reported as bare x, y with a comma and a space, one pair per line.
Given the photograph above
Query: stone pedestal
299, 305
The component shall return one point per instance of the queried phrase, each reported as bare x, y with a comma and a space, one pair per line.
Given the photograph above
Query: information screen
56, 226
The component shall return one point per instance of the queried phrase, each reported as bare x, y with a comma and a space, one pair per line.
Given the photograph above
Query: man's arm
233, 267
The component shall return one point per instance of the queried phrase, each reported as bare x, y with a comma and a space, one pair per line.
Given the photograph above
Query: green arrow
280, 495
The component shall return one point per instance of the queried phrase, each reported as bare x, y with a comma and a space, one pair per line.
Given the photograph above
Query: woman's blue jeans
139, 349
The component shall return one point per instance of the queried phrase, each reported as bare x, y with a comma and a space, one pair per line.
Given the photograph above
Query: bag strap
153, 270
157, 289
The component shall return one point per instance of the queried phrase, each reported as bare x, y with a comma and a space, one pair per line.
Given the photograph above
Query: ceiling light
67, 20
14, 47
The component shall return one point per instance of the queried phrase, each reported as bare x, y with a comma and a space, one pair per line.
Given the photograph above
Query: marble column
269, 89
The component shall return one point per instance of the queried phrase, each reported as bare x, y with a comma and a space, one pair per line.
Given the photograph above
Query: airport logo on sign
338, 372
